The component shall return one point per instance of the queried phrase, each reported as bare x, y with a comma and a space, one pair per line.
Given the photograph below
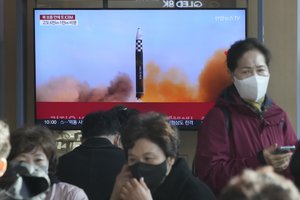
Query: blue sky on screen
103, 43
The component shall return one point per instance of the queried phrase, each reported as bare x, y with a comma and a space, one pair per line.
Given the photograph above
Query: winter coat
180, 184
92, 166
225, 150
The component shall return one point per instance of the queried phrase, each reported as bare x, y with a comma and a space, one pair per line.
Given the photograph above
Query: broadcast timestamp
62, 121
61, 124
50, 122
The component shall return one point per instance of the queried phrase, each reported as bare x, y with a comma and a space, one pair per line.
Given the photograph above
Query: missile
139, 65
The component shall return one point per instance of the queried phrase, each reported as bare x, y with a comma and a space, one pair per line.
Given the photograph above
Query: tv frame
52, 123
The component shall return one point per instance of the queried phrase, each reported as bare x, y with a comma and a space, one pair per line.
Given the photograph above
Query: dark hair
155, 127
99, 123
237, 50
4, 140
26, 139
123, 114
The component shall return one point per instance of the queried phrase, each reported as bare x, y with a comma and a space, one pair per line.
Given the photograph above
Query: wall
9, 56
281, 38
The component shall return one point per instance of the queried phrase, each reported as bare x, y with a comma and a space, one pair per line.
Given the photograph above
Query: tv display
164, 60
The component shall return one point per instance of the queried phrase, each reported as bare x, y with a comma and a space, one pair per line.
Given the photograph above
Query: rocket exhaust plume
174, 86
214, 78
69, 89
139, 65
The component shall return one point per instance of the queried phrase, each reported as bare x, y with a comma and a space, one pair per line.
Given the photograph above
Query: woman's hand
121, 180
279, 161
135, 190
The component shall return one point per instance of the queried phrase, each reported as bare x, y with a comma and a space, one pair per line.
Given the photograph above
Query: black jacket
180, 184
92, 166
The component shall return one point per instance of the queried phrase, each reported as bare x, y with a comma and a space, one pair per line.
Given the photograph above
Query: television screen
166, 60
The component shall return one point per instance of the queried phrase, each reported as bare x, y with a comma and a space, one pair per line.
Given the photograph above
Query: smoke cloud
170, 86
68, 89
214, 78
174, 86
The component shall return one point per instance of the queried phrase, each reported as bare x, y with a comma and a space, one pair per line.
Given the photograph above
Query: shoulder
4, 195
271, 106
68, 191
180, 184
190, 184
71, 153
88, 150
66, 158
275, 112
215, 113
196, 189
215, 120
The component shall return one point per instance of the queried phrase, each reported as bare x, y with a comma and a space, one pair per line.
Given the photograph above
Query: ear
231, 75
117, 140
3, 166
170, 163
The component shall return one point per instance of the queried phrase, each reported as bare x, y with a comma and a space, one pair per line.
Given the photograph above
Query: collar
230, 97
174, 181
96, 141
256, 105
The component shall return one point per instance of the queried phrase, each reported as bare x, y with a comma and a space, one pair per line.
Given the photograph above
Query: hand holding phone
284, 149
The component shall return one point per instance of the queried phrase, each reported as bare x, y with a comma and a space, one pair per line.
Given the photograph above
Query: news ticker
73, 124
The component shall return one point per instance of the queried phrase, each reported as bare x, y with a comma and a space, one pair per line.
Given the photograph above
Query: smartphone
284, 149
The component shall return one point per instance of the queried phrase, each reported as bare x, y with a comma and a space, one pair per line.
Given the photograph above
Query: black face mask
153, 175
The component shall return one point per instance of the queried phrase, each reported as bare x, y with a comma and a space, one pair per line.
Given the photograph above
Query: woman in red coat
245, 127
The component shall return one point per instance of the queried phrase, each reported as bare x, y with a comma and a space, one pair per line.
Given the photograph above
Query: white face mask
252, 88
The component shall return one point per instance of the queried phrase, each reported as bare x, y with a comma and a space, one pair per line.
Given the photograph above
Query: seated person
95, 164
24, 181
4, 146
36, 146
153, 170
20, 181
263, 184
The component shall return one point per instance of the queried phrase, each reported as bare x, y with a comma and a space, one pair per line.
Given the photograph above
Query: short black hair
99, 123
237, 50
123, 114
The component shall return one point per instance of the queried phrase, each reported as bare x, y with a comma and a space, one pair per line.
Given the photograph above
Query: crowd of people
127, 155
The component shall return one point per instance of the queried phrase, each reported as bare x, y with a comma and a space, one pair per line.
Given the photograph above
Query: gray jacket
27, 182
